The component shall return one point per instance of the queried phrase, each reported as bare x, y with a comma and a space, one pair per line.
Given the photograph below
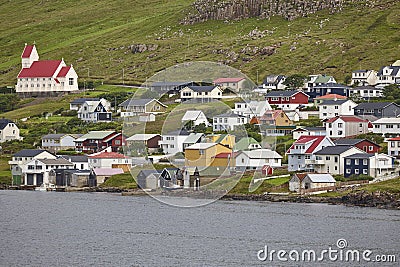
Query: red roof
63, 72
331, 96
228, 80
108, 155
316, 139
225, 155
301, 176
40, 69
347, 119
395, 138
27, 51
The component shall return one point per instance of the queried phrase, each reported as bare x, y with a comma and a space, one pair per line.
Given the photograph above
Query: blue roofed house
375, 165
378, 109
327, 88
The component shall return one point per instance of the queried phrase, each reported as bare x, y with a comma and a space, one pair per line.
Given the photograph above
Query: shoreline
379, 199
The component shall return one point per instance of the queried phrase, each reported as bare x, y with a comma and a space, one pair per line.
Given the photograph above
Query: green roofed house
315, 80
247, 143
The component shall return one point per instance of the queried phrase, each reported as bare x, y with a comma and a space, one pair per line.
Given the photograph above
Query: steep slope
107, 40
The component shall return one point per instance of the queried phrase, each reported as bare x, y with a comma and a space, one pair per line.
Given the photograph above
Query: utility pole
123, 82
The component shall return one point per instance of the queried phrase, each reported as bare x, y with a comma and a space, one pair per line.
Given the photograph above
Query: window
328, 158
307, 157
365, 171
356, 171
340, 124
389, 126
117, 142
335, 167
336, 107
365, 162
324, 114
348, 161
348, 171
340, 132
336, 160
356, 162
30, 167
201, 152
298, 157
371, 148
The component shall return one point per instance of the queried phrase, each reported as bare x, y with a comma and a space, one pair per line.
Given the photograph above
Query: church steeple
29, 55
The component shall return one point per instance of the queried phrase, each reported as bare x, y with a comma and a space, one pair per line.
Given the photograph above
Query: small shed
267, 170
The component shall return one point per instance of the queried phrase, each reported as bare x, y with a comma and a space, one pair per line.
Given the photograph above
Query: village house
287, 100
273, 117
364, 144
109, 160
374, 165
225, 162
71, 177
365, 92
331, 159
202, 94
389, 126
300, 131
304, 181
333, 108
37, 171
203, 154
21, 158
274, 82
319, 100
197, 117
57, 142
251, 108
388, 75
136, 107
8, 131
235, 84
257, 159
364, 77
101, 175
95, 111
227, 140
44, 77
77, 103
228, 122
193, 138
148, 179
80, 162
318, 79
96, 141
247, 143
394, 146
172, 142
346, 126
170, 87
301, 155
327, 88
140, 144
378, 109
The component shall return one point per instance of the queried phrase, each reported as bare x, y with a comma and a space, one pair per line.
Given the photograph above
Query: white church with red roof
44, 77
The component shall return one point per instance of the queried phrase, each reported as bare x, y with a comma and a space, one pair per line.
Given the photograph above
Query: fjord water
98, 229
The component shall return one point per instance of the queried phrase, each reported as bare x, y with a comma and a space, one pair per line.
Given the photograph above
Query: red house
96, 141
287, 97
364, 144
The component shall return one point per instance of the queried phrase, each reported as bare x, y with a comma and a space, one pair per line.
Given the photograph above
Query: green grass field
95, 37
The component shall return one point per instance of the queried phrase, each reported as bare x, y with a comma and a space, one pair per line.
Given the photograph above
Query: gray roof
58, 161
350, 141
149, 172
4, 123
373, 105
202, 88
135, 102
177, 132
169, 84
395, 69
77, 158
333, 150
359, 156
334, 102
29, 152
321, 178
282, 93
193, 138
229, 115
370, 118
83, 100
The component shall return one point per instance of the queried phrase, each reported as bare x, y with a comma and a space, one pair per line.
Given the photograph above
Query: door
39, 179
29, 179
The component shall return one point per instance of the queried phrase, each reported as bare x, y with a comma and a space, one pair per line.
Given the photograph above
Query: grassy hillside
96, 37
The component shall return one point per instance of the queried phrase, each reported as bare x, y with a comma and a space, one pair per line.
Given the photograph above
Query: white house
80, 162
201, 93
301, 181
318, 79
375, 165
274, 82
300, 131
256, 159
364, 77
394, 146
332, 108
252, 108
37, 171
388, 75
78, 102
386, 126
228, 122
366, 91
301, 154
235, 84
109, 160
57, 142
196, 116
8, 131
346, 126
331, 159
95, 111
44, 77
135, 107
172, 142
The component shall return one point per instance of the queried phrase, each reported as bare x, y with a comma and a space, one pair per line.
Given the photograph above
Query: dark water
81, 229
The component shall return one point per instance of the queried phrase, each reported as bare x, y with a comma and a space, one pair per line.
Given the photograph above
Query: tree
392, 91
295, 81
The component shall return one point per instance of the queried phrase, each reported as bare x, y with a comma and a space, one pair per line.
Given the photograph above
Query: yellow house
275, 117
227, 140
203, 154
225, 159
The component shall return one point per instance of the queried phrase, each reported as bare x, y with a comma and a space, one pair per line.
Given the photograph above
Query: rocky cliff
204, 10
